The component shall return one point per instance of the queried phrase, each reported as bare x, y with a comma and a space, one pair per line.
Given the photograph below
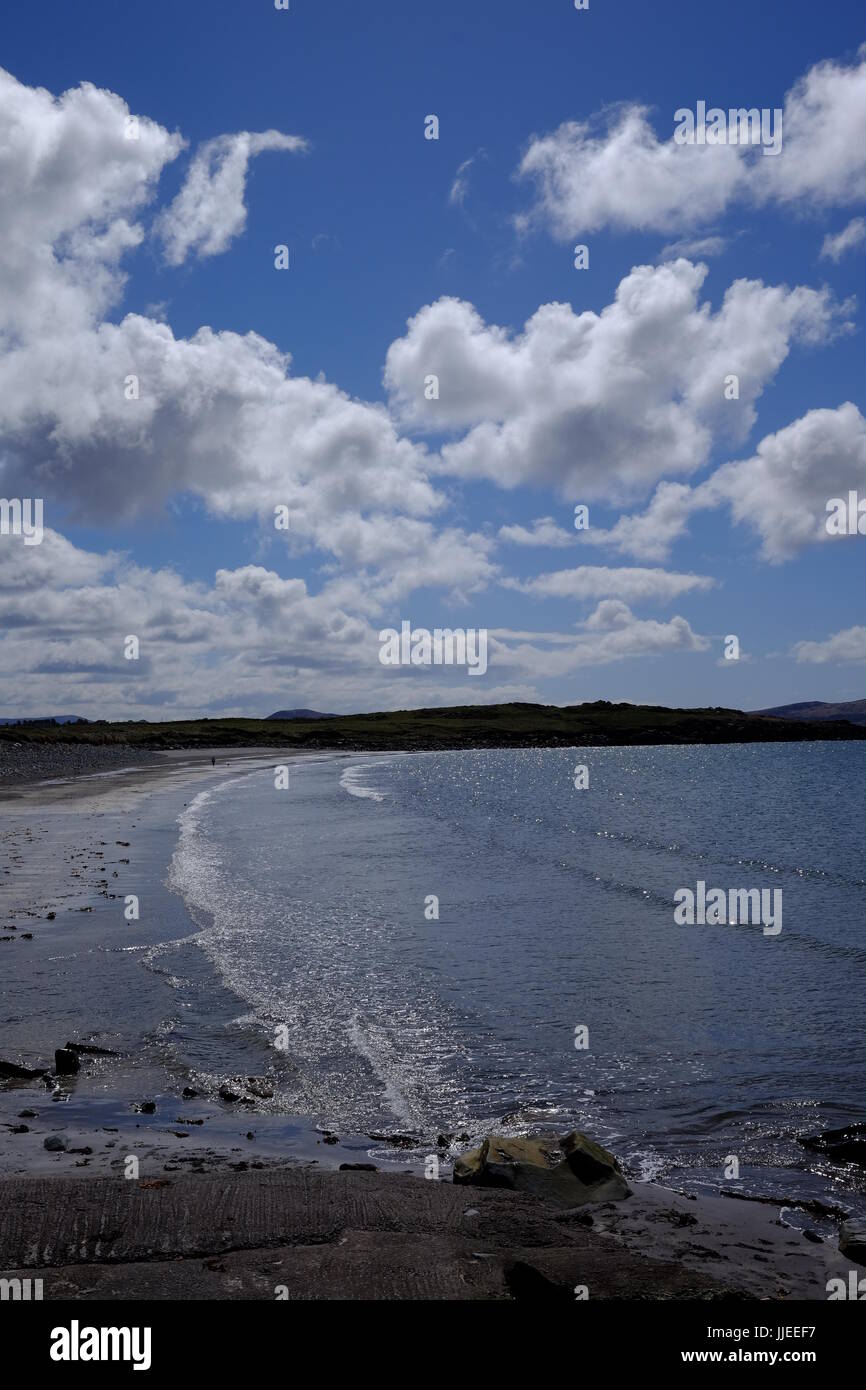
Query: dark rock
27, 1114
399, 1141
91, 1049
573, 1170
66, 1063
813, 1236
846, 1145
188, 1093
55, 1143
528, 1284
12, 1069
330, 1139
849, 1151
852, 1241
20, 1129
226, 1093
147, 1107
358, 1168
257, 1087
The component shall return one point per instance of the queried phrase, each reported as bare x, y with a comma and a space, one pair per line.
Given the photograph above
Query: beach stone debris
573, 1170
66, 1063
146, 1107
358, 1168
399, 1141
226, 1093
188, 1093
27, 1114
55, 1143
852, 1241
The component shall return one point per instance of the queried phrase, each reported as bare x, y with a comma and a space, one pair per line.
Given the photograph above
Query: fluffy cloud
611, 633
209, 211
649, 535
781, 492
597, 581
217, 416
73, 183
835, 247
694, 248
847, 645
616, 172
248, 641
544, 532
597, 404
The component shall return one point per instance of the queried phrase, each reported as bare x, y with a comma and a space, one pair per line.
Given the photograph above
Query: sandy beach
123, 1180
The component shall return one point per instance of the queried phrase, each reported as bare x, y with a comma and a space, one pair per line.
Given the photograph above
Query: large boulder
66, 1063
573, 1170
852, 1241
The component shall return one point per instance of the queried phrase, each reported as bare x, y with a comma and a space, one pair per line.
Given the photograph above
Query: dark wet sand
305, 1233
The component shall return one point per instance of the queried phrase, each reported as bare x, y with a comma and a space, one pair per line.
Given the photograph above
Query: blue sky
113, 266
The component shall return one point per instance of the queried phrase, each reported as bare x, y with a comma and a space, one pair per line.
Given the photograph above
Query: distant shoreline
599, 724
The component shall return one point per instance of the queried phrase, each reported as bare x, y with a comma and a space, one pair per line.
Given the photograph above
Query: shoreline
191, 1147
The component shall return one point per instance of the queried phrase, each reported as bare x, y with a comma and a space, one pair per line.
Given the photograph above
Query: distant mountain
300, 714
852, 710
47, 719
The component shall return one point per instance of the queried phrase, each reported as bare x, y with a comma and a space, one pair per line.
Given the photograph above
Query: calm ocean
555, 912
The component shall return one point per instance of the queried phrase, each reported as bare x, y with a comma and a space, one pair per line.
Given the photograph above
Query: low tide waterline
291, 934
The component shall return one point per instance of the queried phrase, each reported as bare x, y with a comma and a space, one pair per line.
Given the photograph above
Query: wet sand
305, 1233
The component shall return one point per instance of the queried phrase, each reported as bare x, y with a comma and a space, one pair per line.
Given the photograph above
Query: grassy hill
852, 710
463, 726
